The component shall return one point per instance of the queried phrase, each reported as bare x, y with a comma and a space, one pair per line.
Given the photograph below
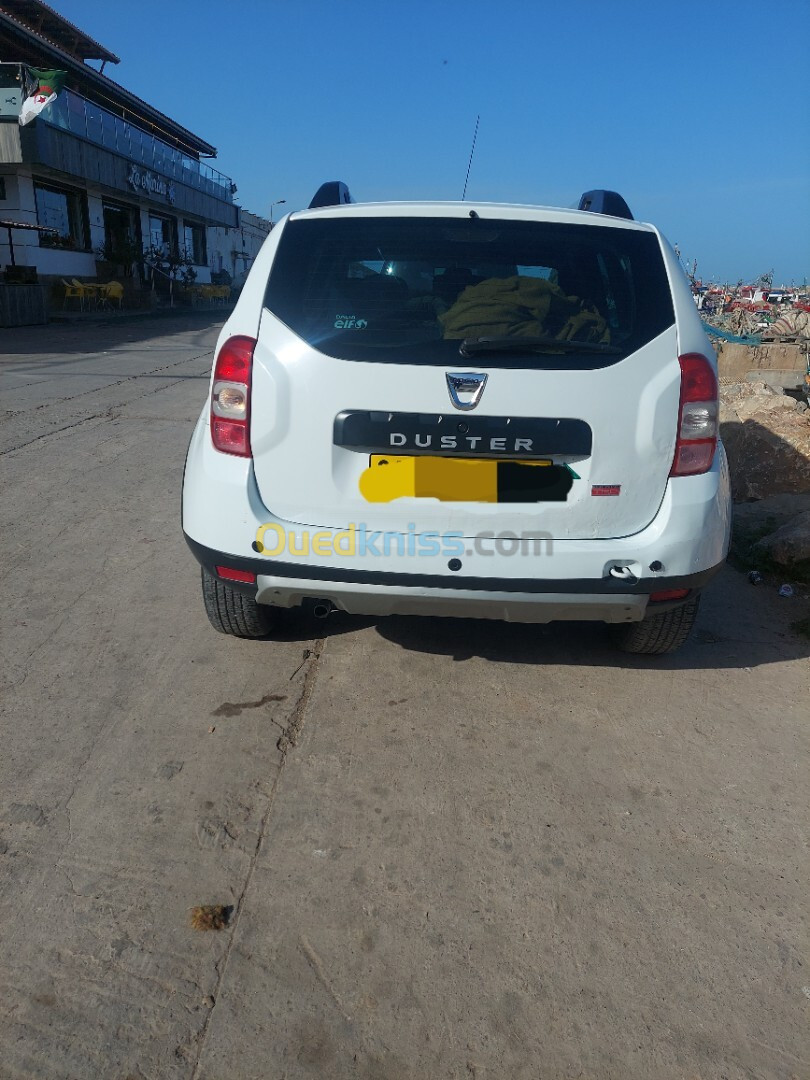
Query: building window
65, 211
194, 243
162, 234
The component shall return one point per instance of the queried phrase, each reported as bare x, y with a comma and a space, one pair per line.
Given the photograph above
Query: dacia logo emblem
465, 388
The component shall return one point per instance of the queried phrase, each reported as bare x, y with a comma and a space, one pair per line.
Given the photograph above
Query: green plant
122, 251
173, 264
57, 240
188, 275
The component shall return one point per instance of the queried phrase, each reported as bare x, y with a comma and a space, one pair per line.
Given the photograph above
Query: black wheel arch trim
210, 558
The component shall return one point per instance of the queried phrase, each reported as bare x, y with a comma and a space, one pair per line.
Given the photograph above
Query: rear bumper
374, 592
681, 548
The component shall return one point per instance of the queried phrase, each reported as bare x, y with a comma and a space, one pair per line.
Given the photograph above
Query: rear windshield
413, 290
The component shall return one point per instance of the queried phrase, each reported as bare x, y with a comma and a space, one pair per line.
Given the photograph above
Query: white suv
462, 409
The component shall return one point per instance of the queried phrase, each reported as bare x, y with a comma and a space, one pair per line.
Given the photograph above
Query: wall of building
20, 205
10, 185
44, 144
52, 262
235, 250
56, 156
13, 208
47, 150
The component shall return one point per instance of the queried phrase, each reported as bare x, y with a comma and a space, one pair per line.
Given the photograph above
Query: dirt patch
234, 708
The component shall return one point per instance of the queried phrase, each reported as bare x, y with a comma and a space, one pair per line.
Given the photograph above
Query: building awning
26, 225
42, 18
9, 225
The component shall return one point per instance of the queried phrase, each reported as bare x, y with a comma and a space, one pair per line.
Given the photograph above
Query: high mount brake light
230, 397
697, 417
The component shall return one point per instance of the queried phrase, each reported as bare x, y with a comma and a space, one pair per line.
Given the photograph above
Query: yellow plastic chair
113, 291
73, 292
90, 291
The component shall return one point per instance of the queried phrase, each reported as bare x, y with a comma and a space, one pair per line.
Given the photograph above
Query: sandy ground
488, 851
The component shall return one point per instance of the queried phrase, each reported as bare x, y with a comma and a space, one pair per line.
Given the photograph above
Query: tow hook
623, 573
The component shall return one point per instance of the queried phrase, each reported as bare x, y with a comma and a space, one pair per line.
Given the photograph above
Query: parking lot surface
446, 849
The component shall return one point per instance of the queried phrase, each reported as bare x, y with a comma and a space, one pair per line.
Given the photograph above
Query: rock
732, 391
767, 440
754, 520
789, 546
766, 515
764, 403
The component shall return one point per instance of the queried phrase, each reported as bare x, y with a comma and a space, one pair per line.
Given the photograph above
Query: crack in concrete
316, 964
121, 382
289, 738
16, 683
105, 416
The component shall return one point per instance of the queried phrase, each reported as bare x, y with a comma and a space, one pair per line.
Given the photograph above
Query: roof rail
600, 201
332, 193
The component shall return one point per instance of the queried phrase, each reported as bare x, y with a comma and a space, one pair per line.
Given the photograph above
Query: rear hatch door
379, 331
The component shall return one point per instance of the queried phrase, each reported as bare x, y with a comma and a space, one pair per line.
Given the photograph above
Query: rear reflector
697, 417
668, 594
229, 574
230, 397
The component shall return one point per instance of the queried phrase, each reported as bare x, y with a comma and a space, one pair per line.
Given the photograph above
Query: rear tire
231, 612
658, 634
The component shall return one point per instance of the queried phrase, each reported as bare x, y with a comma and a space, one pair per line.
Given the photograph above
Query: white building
103, 169
235, 249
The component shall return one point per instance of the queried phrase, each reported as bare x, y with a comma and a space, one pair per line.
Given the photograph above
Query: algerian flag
43, 88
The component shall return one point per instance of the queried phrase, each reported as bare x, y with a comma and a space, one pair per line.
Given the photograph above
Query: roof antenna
469, 164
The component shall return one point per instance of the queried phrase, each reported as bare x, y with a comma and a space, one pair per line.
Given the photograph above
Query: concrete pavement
486, 850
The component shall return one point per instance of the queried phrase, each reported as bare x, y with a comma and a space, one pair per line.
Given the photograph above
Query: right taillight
230, 397
697, 417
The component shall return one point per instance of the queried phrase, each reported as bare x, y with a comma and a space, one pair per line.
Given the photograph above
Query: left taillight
697, 417
230, 397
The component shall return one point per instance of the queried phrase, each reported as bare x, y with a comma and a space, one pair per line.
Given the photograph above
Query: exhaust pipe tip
322, 609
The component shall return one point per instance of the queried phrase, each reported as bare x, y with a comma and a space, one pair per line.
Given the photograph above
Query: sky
697, 113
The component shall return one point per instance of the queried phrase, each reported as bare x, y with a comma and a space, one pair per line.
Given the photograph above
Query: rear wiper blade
469, 346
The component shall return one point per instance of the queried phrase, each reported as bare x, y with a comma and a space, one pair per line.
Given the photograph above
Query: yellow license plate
444, 478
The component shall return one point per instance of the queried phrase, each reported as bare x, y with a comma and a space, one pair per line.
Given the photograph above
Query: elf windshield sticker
350, 322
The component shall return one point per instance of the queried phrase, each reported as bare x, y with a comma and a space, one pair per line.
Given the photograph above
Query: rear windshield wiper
469, 346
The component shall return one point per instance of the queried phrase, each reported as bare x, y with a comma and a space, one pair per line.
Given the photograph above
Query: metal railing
76, 114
